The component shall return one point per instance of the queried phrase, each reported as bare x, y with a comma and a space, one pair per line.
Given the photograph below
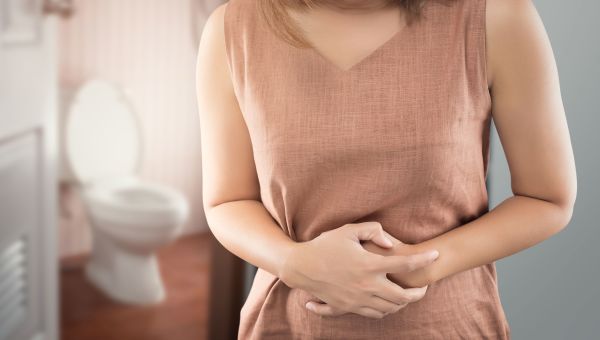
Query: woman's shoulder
212, 50
213, 30
513, 27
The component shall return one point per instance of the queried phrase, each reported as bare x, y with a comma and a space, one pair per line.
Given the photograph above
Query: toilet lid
102, 136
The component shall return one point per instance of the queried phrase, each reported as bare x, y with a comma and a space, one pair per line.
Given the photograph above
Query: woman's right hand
335, 268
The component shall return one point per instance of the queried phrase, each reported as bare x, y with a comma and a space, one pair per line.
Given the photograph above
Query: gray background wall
551, 291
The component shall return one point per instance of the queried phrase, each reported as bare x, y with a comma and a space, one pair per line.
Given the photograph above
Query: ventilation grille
13, 286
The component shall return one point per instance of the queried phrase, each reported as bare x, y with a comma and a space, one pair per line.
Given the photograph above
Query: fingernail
388, 241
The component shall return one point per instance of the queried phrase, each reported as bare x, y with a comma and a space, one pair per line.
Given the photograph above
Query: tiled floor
86, 314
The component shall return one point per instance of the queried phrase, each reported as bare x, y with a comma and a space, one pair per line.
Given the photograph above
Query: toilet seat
130, 218
129, 201
103, 146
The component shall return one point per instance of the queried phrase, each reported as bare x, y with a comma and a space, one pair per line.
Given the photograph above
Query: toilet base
124, 276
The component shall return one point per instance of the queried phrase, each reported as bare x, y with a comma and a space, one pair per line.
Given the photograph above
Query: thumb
394, 240
371, 231
323, 309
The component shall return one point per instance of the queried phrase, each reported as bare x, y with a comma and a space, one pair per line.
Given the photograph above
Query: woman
331, 128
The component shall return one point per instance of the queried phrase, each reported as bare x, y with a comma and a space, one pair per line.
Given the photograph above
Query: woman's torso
400, 138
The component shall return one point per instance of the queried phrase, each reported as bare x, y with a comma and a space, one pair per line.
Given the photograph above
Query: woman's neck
355, 5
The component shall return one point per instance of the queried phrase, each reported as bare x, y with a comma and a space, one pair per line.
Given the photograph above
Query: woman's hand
410, 279
336, 268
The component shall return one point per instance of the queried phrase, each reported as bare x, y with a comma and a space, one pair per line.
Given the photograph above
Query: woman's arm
334, 267
230, 188
530, 119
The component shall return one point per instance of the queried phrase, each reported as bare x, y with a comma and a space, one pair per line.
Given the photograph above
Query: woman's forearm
516, 224
246, 229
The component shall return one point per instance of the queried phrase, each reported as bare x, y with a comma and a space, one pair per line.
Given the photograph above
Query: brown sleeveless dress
400, 138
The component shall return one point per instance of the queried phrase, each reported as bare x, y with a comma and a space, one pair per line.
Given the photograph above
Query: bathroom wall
147, 47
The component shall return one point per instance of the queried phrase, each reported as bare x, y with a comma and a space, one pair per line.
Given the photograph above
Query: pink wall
146, 46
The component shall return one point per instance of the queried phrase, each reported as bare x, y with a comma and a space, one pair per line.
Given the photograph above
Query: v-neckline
378, 50
329, 64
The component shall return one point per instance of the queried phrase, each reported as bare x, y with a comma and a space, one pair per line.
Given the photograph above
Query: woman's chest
411, 120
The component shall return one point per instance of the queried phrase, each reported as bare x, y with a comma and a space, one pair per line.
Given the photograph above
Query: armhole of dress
483, 43
226, 36
230, 52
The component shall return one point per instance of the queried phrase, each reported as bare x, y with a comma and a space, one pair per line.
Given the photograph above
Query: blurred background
102, 233
91, 90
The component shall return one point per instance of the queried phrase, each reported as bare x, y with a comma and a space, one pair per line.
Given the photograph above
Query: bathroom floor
86, 314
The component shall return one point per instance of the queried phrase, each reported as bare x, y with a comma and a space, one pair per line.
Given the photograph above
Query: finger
403, 263
394, 240
369, 312
383, 305
371, 231
398, 295
323, 309
416, 293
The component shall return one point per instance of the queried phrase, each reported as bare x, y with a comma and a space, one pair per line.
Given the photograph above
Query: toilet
130, 218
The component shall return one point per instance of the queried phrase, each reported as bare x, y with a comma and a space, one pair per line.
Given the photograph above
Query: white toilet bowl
130, 218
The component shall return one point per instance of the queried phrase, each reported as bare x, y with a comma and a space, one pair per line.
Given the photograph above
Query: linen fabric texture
401, 138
